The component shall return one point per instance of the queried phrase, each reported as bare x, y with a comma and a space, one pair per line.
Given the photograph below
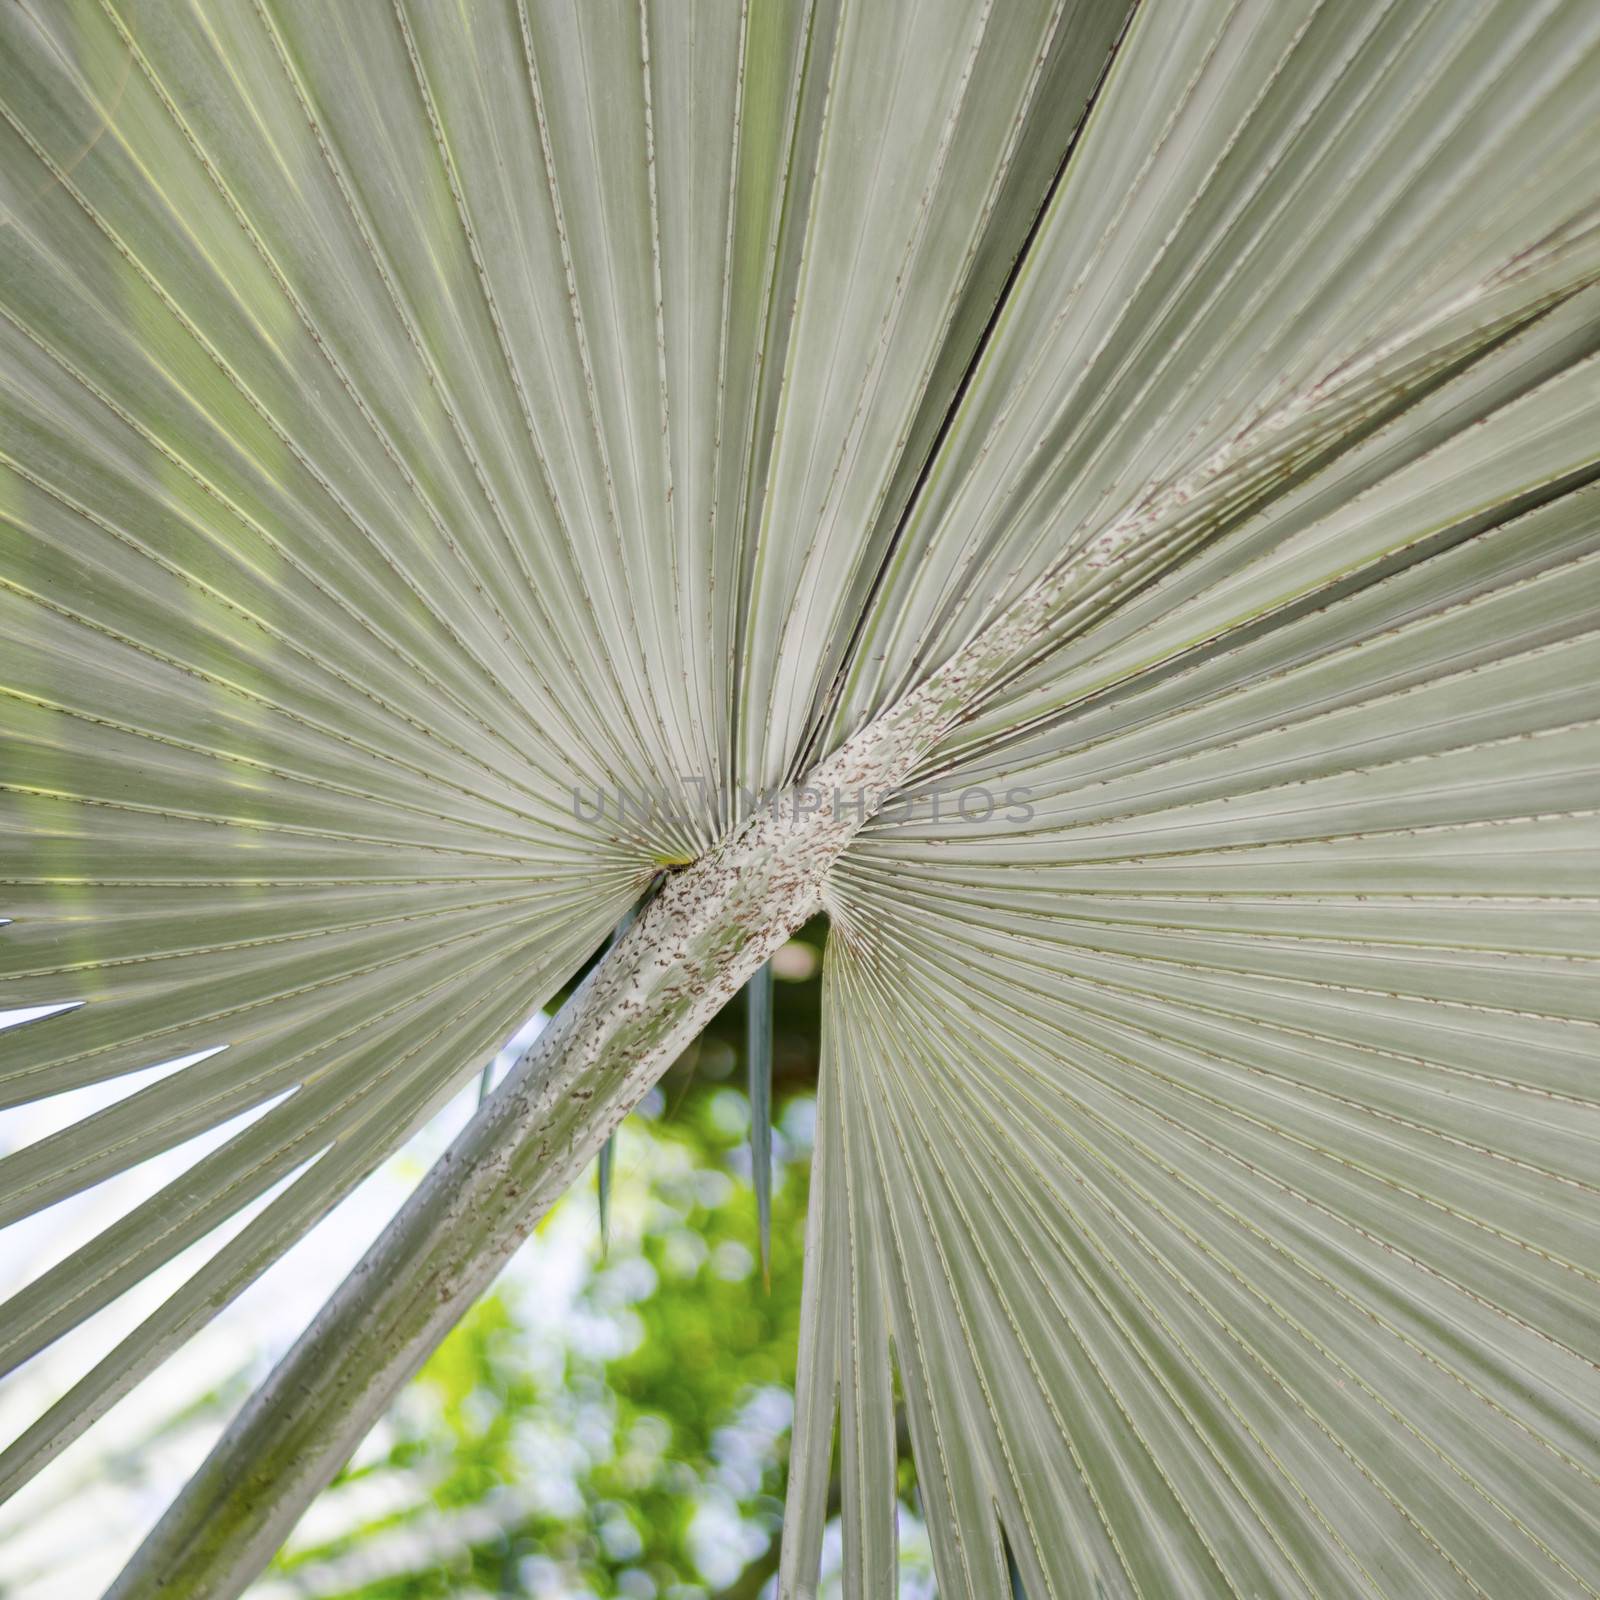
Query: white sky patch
71, 1529
37, 1119
15, 1016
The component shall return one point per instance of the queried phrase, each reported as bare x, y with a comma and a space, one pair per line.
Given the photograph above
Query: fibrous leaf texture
454, 460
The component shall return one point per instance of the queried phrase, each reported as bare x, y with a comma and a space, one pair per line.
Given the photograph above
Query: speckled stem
691, 950
709, 929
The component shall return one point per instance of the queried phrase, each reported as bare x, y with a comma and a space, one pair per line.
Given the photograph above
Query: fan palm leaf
1093, 497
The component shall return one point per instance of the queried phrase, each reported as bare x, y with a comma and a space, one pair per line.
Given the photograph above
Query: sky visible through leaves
600, 1425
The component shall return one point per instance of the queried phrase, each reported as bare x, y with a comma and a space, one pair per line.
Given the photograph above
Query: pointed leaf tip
608, 1154
758, 1019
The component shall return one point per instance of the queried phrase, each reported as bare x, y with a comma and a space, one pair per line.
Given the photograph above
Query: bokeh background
606, 1422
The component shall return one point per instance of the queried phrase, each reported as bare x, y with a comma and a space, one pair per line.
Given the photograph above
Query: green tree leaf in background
512, 1477
1167, 429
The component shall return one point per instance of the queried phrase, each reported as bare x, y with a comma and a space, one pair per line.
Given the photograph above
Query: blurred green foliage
642, 1456
624, 1433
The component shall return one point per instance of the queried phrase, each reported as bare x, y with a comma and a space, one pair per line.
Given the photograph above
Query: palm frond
390, 404
456, 461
